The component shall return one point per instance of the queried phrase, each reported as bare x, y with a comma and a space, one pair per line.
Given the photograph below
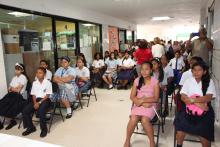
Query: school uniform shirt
21, 80
98, 63
191, 87
162, 83
84, 72
62, 72
180, 63
40, 90
168, 71
127, 62
186, 75
158, 50
111, 63
120, 61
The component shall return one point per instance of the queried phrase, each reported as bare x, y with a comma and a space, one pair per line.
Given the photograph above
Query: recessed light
88, 25
161, 18
19, 14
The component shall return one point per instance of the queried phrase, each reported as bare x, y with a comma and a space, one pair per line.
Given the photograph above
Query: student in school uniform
111, 71
168, 71
125, 71
68, 90
41, 90
14, 101
98, 66
120, 58
188, 74
178, 66
107, 55
44, 64
83, 77
197, 116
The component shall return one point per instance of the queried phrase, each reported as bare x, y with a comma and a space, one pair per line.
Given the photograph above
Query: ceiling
141, 11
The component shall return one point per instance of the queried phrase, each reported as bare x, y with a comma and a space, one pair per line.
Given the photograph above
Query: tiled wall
216, 53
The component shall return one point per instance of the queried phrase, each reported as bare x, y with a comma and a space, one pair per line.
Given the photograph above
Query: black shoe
75, 106
120, 87
125, 87
11, 125
29, 131
68, 116
43, 134
1, 126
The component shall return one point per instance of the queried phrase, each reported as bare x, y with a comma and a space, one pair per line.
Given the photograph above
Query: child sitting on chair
144, 95
41, 90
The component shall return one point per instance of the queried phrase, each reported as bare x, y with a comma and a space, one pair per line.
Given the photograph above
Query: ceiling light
88, 25
161, 18
19, 14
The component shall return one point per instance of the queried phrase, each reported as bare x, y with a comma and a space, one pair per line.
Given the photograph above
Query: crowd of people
153, 69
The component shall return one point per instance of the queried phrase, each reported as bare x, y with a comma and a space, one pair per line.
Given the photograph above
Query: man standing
201, 46
158, 50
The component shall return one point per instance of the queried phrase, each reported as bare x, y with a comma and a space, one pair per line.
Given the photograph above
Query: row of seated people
71, 83
196, 116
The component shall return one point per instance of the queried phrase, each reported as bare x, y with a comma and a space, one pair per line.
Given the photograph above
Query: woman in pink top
144, 95
142, 55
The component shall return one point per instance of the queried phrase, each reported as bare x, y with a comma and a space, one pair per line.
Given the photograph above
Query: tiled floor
103, 124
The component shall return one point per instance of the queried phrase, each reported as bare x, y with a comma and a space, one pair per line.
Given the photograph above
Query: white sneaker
110, 86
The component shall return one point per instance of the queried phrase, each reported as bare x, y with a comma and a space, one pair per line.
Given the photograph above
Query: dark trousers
41, 113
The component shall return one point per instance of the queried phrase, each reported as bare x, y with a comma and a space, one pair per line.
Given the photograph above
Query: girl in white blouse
198, 92
14, 101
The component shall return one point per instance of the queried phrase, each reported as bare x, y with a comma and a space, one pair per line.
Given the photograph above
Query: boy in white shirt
178, 66
44, 64
41, 90
98, 69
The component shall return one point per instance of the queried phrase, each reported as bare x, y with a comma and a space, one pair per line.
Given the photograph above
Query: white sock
69, 111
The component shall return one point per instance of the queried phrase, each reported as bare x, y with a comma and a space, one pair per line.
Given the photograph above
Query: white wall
216, 52
3, 85
149, 32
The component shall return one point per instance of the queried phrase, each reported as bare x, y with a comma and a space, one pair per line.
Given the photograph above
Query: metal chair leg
95, 94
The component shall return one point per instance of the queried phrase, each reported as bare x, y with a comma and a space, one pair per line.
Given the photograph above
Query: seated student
83, 77
81, 55
14, 101
120, 58
125, 71
197, 117
98, 68
41, 90
188, 74
107, 55
168, 71
177, 65
111, 72
144, 95
44, 64
68, 90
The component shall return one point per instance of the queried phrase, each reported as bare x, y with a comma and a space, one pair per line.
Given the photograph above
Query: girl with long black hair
197, 116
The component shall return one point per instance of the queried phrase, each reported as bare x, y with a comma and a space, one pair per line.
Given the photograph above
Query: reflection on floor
103, 124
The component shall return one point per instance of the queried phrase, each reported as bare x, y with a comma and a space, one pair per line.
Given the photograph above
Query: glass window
122, 40
66, 39
89, 40
27, 38
129, 37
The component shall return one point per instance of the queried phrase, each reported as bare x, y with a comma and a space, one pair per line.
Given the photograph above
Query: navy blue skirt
202, 126
125, 75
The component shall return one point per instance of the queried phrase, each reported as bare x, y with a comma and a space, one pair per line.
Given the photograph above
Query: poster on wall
113, 39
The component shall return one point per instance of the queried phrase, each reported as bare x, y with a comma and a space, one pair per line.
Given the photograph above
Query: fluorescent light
19, 14
161, 18
88, 25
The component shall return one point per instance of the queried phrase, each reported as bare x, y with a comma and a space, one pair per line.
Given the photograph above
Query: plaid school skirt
68, 92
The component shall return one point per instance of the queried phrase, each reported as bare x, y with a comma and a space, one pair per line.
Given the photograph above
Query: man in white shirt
157, 49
